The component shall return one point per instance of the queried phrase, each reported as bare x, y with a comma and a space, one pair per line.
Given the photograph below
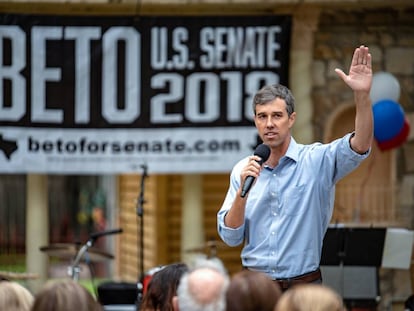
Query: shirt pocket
294, 201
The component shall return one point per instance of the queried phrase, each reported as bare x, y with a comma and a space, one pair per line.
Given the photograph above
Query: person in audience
14, 296
310, 297
252, 291
163, 287
203, 288
65, 295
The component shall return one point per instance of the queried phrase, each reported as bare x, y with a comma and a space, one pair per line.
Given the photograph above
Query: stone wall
390, 36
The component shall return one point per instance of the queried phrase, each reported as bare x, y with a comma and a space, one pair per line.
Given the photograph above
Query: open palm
360, 72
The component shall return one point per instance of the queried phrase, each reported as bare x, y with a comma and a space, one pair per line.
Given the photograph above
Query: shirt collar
293, 150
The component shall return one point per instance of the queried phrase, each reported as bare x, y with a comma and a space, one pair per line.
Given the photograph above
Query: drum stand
74, 269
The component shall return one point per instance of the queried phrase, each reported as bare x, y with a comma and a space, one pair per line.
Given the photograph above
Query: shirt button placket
275, 213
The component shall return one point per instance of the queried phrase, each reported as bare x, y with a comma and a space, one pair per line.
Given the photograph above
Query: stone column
305, 21
192, 230
37, 229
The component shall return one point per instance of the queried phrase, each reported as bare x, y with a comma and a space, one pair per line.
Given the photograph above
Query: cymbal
18, 275
69, 251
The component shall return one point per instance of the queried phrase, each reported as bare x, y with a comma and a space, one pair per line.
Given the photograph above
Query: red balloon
398, 140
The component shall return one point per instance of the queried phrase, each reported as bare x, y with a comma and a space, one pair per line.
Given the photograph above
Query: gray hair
186, 298
212, 263
270, 92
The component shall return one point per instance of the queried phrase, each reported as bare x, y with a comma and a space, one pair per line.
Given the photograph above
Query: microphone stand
140, 214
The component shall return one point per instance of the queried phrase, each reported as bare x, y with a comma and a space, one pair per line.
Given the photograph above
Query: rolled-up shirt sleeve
231, 236
348, 159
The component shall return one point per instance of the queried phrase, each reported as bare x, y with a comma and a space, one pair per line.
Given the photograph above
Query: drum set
68, 251
114, 296
77, 252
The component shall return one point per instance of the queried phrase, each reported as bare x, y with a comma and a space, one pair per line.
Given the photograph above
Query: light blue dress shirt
289, 208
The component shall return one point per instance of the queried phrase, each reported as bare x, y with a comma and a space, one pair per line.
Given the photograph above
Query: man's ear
292, 119
175, 303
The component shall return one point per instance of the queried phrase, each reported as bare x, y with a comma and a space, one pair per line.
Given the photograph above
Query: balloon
397, 140
388, 119
384, 86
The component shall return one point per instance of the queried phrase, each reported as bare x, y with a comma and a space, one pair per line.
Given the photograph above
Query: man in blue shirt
284, 216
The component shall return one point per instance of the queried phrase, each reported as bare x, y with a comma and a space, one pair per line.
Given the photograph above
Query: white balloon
384, 86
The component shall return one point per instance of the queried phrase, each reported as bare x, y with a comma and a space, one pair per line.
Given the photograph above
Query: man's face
273, 123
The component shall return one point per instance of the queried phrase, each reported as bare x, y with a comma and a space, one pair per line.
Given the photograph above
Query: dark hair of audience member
251, 291
163, 287
65, 295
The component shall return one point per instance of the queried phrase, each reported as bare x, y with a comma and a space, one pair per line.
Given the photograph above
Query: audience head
251, 291
14, 297
310, 297
65, 295
203, 288
163, 287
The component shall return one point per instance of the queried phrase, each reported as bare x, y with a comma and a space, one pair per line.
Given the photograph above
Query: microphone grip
263, 152
247, 185
107, 232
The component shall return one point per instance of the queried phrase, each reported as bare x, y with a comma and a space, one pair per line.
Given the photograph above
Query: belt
300, 279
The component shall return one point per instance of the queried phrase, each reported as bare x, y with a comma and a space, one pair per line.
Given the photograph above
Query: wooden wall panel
214, 190
161, 219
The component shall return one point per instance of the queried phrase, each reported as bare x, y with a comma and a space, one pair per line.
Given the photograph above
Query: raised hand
360, 71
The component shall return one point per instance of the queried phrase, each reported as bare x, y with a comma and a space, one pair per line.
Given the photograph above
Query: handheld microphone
96, 235
262, 151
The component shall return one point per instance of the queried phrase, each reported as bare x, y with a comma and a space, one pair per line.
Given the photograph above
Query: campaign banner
107, 94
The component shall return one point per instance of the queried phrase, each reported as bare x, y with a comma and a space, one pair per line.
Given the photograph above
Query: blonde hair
310, 297
15, 297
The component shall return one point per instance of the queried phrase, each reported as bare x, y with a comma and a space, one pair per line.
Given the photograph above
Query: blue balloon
388, 119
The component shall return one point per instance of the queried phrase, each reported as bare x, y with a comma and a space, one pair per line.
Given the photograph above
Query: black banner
92, 73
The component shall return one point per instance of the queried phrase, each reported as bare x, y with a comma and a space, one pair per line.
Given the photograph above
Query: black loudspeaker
358, 285
117, 293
